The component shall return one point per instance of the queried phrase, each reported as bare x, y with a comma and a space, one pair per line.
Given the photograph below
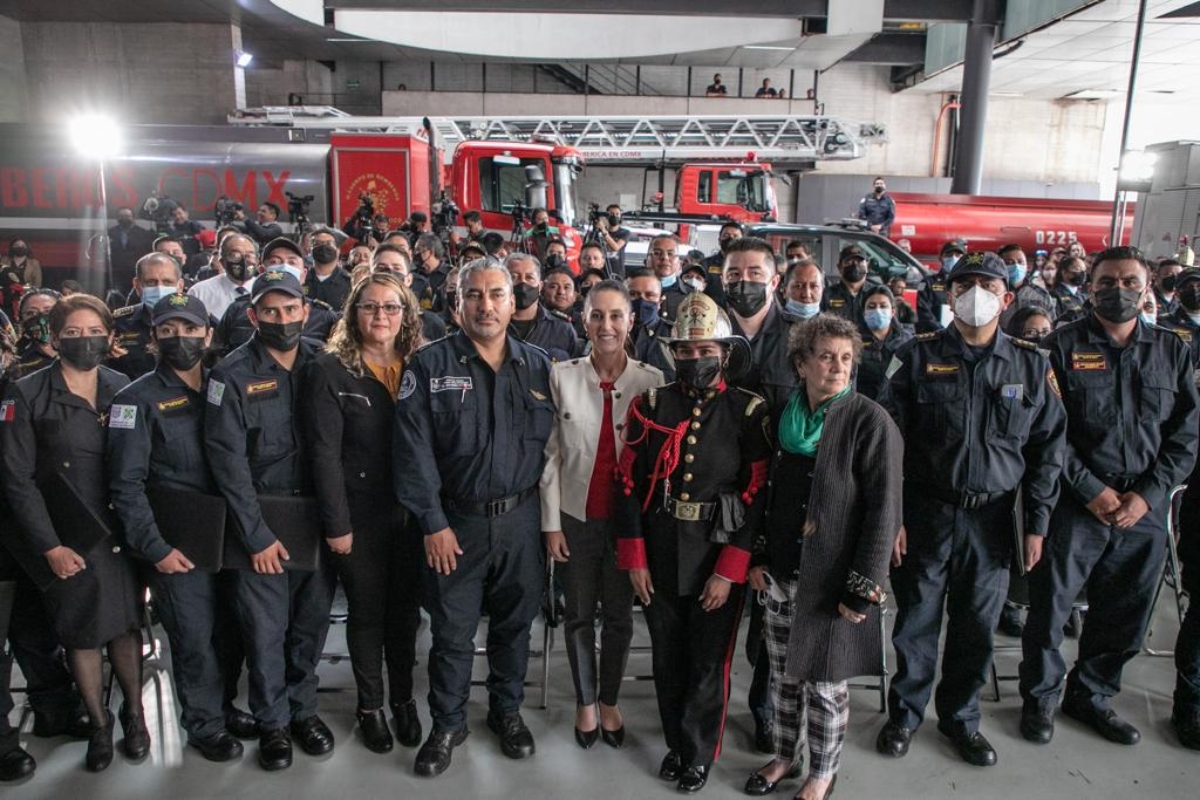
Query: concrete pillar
977, 77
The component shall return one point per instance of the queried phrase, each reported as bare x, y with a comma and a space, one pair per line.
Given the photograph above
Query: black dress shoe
1011, 623
100, 745
692, 780
137, 739
515, 739
408, 723
1037, 724
1187, 728
764, 737
375, 733
73, 723
314, 736
972, 747
275, 750
615, 738
241, 724
672, 766
1103, 721
757, 785
893, 740
16, 764
434, 756
221, 746
586, 739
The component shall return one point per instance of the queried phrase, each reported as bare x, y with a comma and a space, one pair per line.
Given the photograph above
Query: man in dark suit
127, 242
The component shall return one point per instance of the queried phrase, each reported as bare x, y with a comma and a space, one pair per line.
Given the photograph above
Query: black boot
100, 745
408, 724
374, 728
137, 739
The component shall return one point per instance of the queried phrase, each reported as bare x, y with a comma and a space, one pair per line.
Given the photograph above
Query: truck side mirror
535, 189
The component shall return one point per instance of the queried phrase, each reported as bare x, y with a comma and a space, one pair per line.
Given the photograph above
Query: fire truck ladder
615, 139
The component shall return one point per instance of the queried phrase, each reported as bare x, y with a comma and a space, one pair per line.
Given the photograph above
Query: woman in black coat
348, 411
52, 432
882, 336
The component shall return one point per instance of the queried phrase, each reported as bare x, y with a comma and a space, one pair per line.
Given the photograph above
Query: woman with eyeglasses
348, 411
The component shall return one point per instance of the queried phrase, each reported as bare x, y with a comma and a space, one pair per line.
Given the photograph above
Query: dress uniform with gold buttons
693, 469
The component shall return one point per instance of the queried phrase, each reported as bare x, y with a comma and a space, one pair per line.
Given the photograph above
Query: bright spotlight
96, 136
244, 59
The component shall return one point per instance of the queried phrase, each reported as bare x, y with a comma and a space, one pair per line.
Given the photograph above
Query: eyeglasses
371, 309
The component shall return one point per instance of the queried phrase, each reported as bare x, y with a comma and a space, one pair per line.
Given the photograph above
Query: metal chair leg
1171, 571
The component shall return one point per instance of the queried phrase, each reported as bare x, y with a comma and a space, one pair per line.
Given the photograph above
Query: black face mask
645, 312
541, 226
18, 251
554, 261
1117, 305
451, 299
281, 336
526, 295
125, 223
36, 329
1189, 297
698, 373
83, 352
878, 190
1077, 278
725, 243
1167, 283
854, 272
614, 220
182, 352
237, 267
747, 298
324, 254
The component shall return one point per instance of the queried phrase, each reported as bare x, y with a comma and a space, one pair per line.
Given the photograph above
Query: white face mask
977, 307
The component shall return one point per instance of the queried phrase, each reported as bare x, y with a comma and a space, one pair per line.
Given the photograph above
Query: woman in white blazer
578, 499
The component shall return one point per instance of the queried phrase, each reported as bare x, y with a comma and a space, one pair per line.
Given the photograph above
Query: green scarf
800, 429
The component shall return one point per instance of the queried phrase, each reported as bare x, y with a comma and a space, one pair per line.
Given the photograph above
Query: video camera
298, 210
444, 217
225, 210
158, 209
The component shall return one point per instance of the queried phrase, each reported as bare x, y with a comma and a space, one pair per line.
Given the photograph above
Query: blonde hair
346, 341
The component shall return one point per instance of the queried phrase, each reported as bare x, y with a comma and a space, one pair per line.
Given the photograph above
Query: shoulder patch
122, 417
893, 367
216, 391
408, 384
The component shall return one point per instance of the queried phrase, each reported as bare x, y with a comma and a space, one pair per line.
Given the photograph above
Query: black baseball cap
851, 250
981, 263
1187, 276
275, 280
180, 306
956, 246
281, 242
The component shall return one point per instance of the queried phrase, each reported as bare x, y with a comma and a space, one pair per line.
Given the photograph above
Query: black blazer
348, 423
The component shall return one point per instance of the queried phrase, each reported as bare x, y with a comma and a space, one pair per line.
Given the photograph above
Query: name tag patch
122, 418
262, 386
451, 383
1088, 361
941, 369
174, 404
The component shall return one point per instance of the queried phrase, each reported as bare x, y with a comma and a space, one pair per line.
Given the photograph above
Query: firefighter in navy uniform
1131, 401
932, 300
159, 443
157, 275
982, 421
254, 446
650, 331
693, 469
845, 298
472, 423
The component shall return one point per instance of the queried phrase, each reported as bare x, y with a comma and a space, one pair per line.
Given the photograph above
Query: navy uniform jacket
723, 449
155, 438
133, 334
876, 356
235, 328
878, 211
1133, 411
552, 334
648, 347
672, 296
931, 297
838, 300
252, 434
1182, 326
427, 286
332, 291
771, 374
986, 427
30, 358
467, 433
1070, 306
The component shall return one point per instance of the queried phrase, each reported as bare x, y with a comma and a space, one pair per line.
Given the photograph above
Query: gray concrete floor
1078, 764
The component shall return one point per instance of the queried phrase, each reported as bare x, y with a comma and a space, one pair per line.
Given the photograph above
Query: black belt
1121, 483
689, 512
968, 500
489, 508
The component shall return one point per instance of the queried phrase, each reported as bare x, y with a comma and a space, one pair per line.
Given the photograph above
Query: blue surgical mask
1148, 319
948, 261
878, 319
645, 312
802, 310
295, 272
668, 281
1016, 274
152, 294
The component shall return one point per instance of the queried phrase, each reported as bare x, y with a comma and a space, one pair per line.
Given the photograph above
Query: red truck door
394, 170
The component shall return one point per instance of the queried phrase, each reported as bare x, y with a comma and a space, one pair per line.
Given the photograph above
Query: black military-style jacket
466, 433
771, 374
30, 358
649, 347
1133, 411
837, 299
134, 335
252, 434
723, 448
876, 356
550, 333
983, 422
332, 291
1182, 326
155, 438
1070, 304
931, 298
235, 327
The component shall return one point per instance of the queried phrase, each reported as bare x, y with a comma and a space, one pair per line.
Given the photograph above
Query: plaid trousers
816, 711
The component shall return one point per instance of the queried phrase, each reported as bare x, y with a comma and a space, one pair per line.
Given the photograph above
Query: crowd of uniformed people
692, 436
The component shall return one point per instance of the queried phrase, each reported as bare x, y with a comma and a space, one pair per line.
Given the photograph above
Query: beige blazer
571, 450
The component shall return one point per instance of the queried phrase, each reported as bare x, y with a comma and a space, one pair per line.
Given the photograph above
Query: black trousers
502, 571
1121, 569
759, 696
227, 636
590, 578
1187, 649
35, 648
381, 576
957, 560
692, 653
284, 620
187, 606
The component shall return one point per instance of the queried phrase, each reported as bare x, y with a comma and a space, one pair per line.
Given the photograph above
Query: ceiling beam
788, 9
891, 48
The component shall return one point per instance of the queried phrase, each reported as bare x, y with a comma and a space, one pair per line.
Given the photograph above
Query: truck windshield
750, 190
565, 188
502, 186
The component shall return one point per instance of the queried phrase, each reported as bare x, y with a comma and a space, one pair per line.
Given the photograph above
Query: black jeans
590, 577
